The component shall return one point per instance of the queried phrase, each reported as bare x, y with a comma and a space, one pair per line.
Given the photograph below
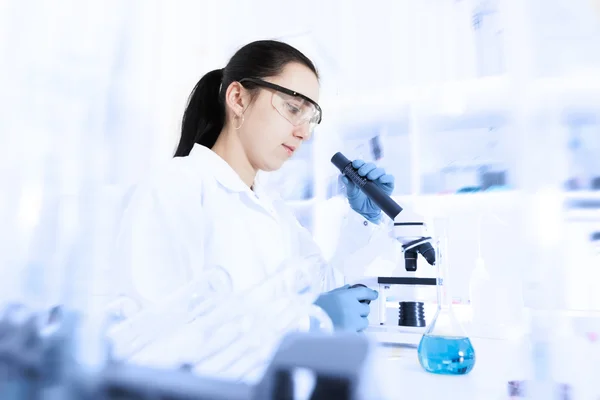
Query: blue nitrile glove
344, 307
359, 202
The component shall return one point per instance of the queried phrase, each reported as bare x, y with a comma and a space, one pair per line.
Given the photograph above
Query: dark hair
204, 116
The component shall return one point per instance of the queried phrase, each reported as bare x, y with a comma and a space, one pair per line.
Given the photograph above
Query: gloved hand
359, 202
345, 309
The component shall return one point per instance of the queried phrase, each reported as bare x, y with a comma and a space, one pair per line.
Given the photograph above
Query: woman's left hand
359, 202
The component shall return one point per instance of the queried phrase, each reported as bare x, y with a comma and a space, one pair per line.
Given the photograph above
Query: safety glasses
293, 106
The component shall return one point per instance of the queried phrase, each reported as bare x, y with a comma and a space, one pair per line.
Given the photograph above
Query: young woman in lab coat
207, 208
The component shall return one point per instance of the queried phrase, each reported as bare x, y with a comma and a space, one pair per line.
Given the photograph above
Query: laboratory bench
500, 363
400, 371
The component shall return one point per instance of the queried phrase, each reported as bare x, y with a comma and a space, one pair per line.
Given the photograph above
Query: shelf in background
584, 201
467, 102
582, 205
465, 198
467, 121
493, 88
586, 215
581, 90
585, 195
495, 195
431, 199
460, 197
466, 97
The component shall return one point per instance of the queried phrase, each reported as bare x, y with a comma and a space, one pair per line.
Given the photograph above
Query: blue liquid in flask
446, 355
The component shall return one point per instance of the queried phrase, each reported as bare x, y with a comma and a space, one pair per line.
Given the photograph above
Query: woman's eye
292, 108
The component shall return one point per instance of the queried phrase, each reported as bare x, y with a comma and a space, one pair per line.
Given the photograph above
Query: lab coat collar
223, 172
230, 180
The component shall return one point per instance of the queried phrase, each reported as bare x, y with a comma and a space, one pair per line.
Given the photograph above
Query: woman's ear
237, 98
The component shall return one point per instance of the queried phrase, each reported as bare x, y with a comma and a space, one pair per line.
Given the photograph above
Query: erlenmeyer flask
445, 347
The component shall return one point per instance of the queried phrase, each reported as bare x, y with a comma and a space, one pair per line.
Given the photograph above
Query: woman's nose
302, 131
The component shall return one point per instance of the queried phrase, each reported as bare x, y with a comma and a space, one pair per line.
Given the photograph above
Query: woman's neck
230, 149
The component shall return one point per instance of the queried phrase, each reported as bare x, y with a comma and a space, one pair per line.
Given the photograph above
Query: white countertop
400, 376
573, 359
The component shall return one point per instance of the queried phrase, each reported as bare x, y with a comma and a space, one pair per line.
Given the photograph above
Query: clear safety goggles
295, 107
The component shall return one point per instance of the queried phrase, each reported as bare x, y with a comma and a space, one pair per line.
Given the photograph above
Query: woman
207, 208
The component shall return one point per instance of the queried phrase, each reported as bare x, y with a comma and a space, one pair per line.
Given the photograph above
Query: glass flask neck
443, 288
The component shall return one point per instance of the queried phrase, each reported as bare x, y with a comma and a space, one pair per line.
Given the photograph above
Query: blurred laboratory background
487, 112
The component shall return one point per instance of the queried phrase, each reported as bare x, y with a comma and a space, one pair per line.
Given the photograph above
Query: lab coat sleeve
151, 248
158, 268
310, 250
363, 249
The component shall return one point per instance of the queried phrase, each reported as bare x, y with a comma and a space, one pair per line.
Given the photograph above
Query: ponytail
204, 115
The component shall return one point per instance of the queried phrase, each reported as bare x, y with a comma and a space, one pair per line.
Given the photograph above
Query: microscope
410, 231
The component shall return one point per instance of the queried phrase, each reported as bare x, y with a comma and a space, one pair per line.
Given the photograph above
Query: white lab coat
197, 212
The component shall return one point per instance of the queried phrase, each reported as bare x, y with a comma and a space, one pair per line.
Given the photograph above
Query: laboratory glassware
445, 347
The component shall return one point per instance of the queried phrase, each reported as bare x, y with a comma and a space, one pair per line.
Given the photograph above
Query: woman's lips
290, 150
